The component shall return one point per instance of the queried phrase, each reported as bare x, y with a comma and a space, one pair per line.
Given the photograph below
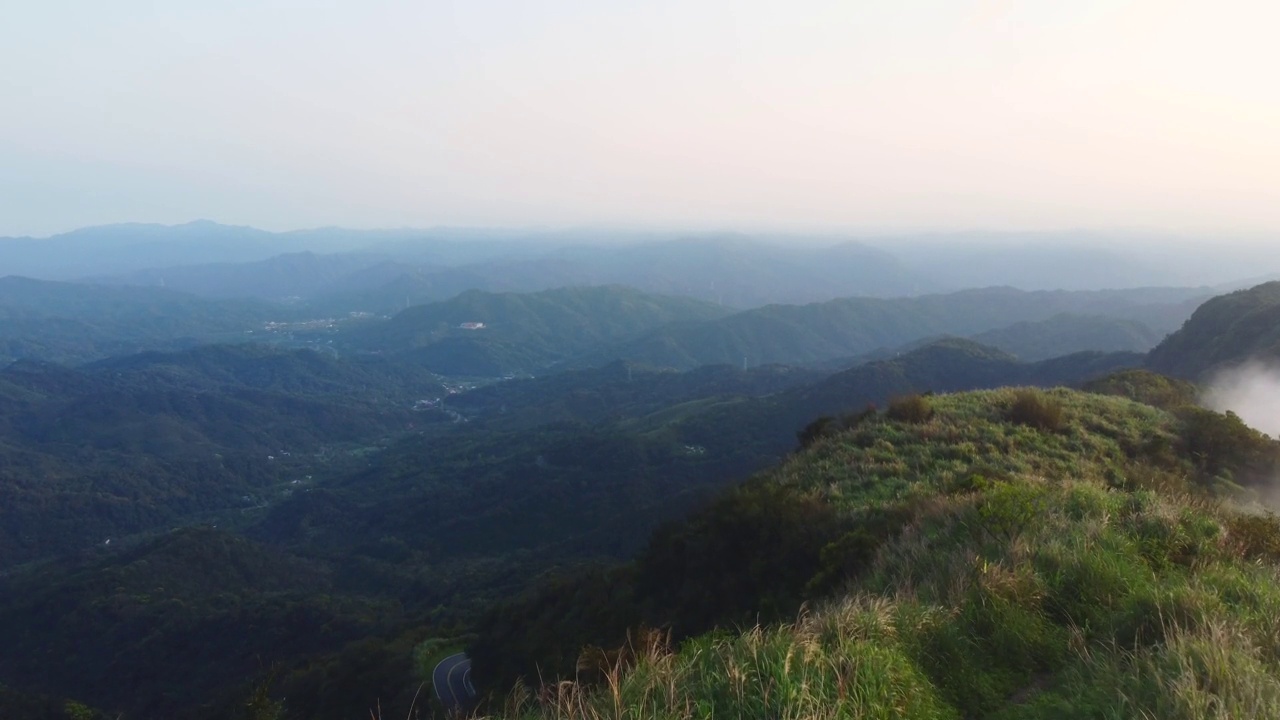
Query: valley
332, 506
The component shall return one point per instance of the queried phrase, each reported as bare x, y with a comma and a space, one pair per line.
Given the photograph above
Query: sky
875, 116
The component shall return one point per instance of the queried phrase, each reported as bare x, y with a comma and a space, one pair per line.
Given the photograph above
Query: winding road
452, 681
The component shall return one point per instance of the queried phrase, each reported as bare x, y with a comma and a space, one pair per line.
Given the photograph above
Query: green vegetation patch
973, 566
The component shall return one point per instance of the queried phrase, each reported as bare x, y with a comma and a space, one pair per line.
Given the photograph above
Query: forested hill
122, 308
488, 334
73, 322
482, 334
168, 625
619, 391
1225, 331
854, 326
1010, 553
262, 367
767, 425
1067, 333
143, 442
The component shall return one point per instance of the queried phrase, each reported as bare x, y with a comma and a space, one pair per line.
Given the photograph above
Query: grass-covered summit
997, 554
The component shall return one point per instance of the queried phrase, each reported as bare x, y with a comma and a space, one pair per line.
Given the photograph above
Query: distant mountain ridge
1066, 333
288, 276
734, 268
76, 322
797, 334
571, 326
943, 366
132, 247
487, 334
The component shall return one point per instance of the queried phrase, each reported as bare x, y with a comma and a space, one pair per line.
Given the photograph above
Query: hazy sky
717, 113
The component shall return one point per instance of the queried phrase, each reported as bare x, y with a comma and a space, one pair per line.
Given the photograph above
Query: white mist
1251, 391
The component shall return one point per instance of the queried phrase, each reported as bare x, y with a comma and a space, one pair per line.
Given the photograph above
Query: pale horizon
821, 117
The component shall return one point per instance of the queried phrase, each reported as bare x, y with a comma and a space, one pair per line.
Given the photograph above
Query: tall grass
1030, 579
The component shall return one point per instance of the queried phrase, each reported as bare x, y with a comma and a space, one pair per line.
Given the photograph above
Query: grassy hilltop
997, 554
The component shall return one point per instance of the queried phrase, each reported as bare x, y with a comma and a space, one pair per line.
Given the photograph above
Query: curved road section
452, 681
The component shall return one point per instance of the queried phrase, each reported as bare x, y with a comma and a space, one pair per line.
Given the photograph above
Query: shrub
1034, 409
851, 553
1255, 537
77, 711
1147, 387
826, 426
910, 409
1222, 442
1009, 508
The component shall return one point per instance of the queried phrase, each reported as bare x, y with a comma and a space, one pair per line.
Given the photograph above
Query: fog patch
1251, 391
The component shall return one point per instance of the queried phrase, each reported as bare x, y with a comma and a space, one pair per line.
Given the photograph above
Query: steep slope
1225, 331
1008, 554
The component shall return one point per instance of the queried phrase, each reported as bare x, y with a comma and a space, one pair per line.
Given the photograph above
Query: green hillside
1225, 331
152, 440
74, 322
582, 466
1065, 334
482, 334
525, 332
619, 390
320, 526
300, 373
149, 612
1006, 553
767, 426
439, 511
820, 332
